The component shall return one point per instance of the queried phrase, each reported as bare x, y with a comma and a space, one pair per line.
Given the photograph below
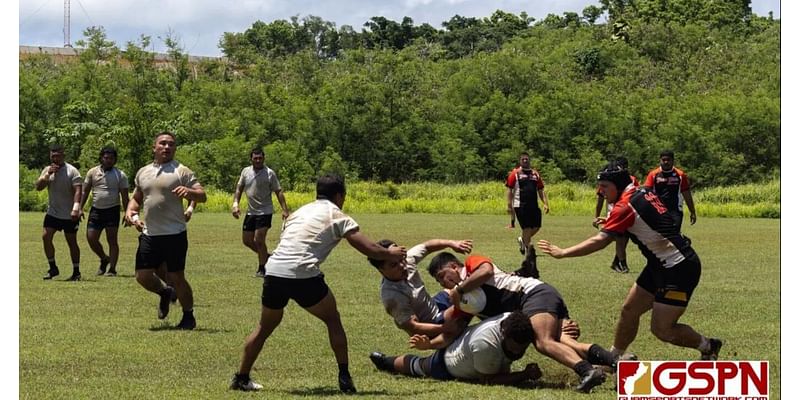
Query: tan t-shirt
60, 190
407, 298
162, 209
105, 186
258, 186
309, 236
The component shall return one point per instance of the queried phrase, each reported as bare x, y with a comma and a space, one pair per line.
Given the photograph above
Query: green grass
100, 339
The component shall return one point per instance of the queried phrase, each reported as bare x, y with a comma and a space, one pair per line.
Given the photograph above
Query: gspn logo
692, 379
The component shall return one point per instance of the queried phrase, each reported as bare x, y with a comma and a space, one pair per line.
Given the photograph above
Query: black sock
189, 313
582, 368
52, 265
343, 370
76, 270
616, 260
623, 263
261, 267
242, 377
600, 356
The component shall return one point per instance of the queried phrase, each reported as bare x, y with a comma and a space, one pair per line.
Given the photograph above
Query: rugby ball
473, 302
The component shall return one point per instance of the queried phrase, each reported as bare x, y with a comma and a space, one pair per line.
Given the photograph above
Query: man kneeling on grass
482, 354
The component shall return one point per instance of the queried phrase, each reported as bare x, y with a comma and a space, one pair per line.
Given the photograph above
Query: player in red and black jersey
525, 187
672, 271
620, 262
672, 186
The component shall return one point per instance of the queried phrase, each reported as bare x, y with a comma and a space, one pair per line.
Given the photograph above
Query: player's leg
637, 302
48, 232
71, 235
253, 344
260, 244
325, 309
112, 237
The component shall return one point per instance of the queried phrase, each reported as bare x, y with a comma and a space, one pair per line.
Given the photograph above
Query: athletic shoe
163, 304
245, 385
381, 362
187, 322
260, 274
712, 353
111, 272
521, 246
621, 267
592, 378
528, 269
102, 269
76, 276
346, 384
52, 273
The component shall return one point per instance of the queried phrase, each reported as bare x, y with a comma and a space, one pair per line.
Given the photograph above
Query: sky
199, 24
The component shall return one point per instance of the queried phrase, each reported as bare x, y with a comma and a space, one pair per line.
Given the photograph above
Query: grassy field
99, 338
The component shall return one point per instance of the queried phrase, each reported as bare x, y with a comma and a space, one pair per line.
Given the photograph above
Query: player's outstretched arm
373, 250
588, 246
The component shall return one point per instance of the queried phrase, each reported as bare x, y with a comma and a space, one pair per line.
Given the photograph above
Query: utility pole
67, 42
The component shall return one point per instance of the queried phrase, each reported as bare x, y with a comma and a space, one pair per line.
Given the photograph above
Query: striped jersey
651, 225
503, 291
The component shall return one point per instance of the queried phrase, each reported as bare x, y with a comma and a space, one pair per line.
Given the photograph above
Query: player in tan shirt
108, 185
63, 183
160, 190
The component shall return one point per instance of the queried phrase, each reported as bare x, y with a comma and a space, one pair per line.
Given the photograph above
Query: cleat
102, 269
380, 361
528, 269
621, 267
590, 380
187, 323
111, 272
260, 274
52, 273
713, 353
521, 246
245, 385
346, 384
76, 276
163, 305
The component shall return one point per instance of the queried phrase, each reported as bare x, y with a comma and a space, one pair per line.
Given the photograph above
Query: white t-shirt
406, 298
258, 187
478, 351
105, 186
310, 234
61, 189
162, 209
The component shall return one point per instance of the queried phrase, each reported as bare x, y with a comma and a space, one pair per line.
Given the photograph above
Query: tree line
400, 102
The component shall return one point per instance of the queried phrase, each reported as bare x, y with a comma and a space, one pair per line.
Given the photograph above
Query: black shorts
544, 298
673, 286
255, 222
155, 250
101, 218
307, 292
66, 225
529, 216
439, 368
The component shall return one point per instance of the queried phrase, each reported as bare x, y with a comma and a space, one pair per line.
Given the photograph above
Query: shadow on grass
166, 326
333, 391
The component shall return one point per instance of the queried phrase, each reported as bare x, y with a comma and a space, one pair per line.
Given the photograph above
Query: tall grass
756, 200
565, 198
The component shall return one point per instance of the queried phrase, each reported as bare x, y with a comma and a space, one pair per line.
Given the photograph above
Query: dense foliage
399, 102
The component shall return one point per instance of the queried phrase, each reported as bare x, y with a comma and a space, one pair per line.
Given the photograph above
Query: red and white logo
696, 380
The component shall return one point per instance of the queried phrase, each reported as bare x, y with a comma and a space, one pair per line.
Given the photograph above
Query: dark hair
667, 153
257, 150
524, 153
56, 148
168, 133
108, 150
330, 185
385, 243
613, 172
622, 161
517, 327
440, 261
